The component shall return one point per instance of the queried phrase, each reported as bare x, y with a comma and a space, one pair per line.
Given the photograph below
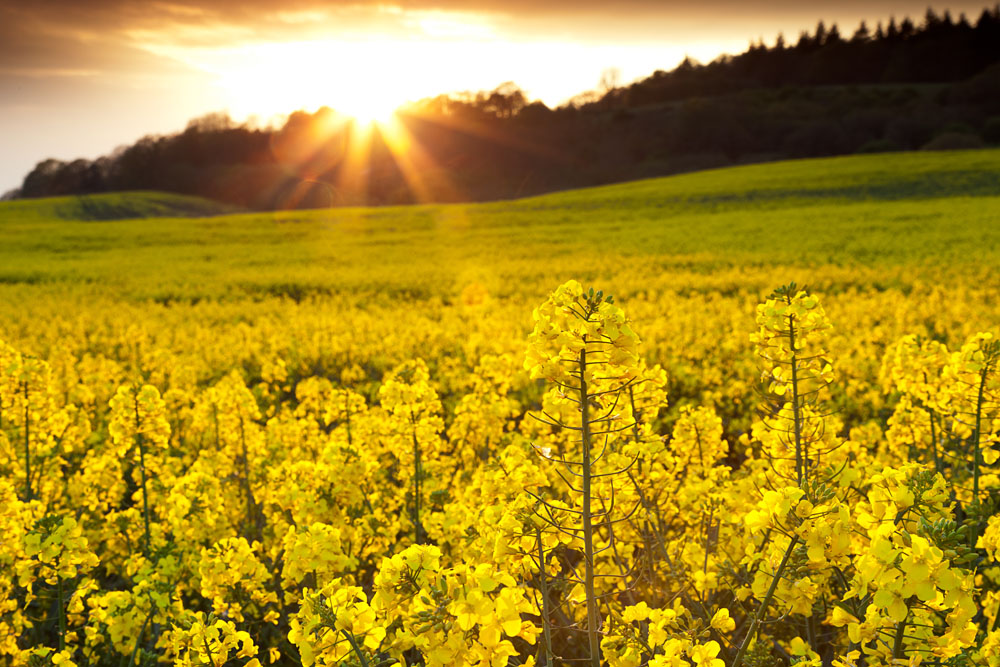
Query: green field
883, 211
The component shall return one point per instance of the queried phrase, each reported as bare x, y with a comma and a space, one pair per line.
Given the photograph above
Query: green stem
897, 643
757, 618
545, 597
649, 513
27, 444
642, 496
347, 412
357, 649
62, 615
810, 634
138, 639
688, 600
142, 470
215, 418
652, 520
418, 529
588, 527
978, 433
934, 449
801, 457
208, 649
252, 522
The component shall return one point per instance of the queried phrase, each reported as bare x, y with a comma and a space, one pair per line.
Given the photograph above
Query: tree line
899, 86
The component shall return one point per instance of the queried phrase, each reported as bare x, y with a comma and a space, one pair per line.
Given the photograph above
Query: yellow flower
704, 655
722, 622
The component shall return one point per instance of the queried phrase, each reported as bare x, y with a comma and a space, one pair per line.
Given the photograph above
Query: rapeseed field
743, 418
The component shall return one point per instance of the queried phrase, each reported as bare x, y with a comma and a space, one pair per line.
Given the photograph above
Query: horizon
125, 72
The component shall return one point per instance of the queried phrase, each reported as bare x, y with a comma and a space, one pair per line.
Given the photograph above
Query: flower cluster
278, 483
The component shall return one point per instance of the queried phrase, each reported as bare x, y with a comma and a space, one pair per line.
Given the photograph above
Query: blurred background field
883, 212
892, 243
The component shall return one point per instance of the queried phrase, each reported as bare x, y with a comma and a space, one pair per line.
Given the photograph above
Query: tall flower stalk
138, 421
790, 342
583, 344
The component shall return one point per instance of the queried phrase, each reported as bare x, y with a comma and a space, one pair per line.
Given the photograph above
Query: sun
274, 79
367, 107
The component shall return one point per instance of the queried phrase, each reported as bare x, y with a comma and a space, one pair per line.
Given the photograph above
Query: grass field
312, 392
885, 211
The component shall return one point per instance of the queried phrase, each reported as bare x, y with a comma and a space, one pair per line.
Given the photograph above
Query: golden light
425, 179
369, 75
272, 79
369, 107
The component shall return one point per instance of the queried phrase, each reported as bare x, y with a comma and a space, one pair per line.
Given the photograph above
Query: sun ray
509, 139
309, 147
351, 178
424, 177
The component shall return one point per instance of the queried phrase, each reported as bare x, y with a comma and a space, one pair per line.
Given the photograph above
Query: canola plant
664, 482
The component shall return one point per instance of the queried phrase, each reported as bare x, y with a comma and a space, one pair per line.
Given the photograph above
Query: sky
79, 78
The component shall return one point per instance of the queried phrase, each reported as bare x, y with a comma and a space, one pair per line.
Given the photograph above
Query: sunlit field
414, 435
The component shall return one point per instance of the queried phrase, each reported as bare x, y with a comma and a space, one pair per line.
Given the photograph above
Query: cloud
34, 45
149, 44
106, 34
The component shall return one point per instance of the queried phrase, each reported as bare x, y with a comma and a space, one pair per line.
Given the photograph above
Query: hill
877, 213
111, 206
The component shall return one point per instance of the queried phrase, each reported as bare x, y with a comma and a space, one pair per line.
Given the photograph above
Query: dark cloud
67, 41
197, 23
72, 85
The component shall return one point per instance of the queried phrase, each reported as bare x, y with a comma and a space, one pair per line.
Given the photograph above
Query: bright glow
373, 107
371, 77
269, 79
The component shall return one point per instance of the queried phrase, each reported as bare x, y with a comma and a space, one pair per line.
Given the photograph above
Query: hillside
111, 206
877, 211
